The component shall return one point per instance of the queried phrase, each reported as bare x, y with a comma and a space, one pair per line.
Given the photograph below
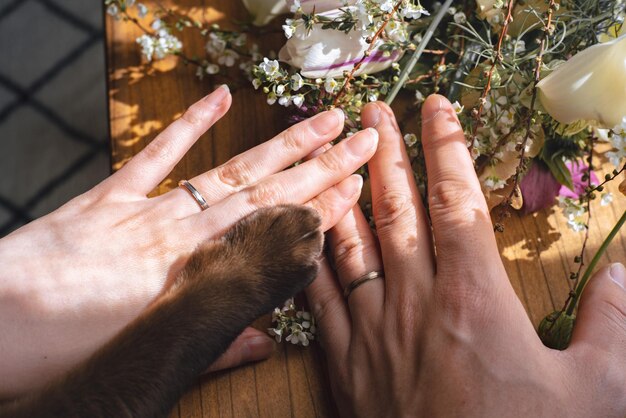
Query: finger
355, 253
331, 313
401, 222
270, 157
294, 186
601, 319
148, 168
251, 345
460, 219
333, 204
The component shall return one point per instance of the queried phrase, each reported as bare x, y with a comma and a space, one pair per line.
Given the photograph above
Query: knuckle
351, 248
195, 115
265, 194
614, 312
160, 151
330, 162
235, 174
293, 139
391, 207
453, 200
465, 301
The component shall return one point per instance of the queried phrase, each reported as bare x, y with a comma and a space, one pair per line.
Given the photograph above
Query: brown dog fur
226, 284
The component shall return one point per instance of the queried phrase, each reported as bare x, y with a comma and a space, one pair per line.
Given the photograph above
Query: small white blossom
228, 58
269, 67
412, 11
296, 82
113, 10
457, 107
607, 199
298, 100
142, 10
330, 85
460, 18
410, 139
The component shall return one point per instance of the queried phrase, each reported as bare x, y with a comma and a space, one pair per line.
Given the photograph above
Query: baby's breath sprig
295, 326
372, 41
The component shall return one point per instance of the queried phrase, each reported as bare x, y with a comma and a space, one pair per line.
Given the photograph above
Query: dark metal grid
26, 97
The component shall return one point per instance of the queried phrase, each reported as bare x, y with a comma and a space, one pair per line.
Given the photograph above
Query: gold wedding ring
372, 275
201, 201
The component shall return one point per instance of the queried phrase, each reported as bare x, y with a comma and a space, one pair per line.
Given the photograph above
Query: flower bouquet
539, 86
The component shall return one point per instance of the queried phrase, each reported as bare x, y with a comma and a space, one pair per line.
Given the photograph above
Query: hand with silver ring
444, 334
71, 280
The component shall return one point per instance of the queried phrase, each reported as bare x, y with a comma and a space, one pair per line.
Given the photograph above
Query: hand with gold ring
71, 280
425, 333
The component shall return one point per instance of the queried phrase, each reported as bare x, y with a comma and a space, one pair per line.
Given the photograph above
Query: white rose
264, 11
591, 86
327, 53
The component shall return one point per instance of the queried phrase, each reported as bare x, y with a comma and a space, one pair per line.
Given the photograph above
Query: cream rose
591, 86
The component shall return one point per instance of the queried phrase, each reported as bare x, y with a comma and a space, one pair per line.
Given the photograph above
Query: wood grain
537, 250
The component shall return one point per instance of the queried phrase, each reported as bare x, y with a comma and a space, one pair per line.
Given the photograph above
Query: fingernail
350, 186
430, 112
363, 142
618, 274
257, 348
373, 115
327, 122
218, 95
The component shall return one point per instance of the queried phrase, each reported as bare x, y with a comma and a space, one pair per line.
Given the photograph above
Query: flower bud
591, 86
327, 53
555, 330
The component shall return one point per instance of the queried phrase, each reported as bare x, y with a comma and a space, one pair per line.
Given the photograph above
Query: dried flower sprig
295, 326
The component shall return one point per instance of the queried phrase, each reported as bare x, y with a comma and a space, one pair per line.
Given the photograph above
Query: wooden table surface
537, 250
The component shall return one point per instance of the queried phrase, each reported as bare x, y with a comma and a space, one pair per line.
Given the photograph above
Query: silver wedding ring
372, 275
201, 201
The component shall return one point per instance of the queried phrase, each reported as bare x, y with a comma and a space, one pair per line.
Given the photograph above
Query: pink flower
578, 170
540, 188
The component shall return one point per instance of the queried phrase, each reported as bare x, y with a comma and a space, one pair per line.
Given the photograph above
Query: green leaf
559, 170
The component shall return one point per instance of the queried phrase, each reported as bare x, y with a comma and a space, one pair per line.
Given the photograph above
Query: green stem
404, 76
585, 279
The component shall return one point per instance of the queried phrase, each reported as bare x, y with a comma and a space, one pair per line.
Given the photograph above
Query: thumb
251, 345
601, 320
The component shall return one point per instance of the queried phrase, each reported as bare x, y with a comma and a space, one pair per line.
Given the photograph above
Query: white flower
298, 100
296, 82
328, 53
591, 86
607, 199
457, 107
410, 139
320, 6
216, 45
460, 18
289, 28
228, 58
574, 213
142, 10
330, 85
212, 69
264, 11
113, 10
412, 11
269, 67
618, 141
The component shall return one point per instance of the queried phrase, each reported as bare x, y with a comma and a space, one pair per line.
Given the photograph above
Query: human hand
71, 280
444, 333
